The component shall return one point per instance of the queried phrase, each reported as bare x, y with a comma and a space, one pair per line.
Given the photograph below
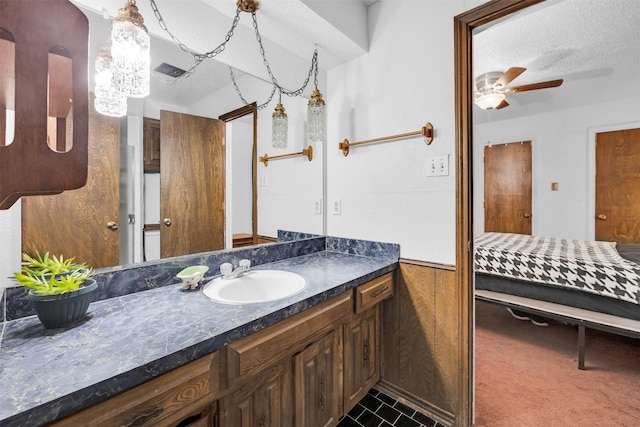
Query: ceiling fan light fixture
489, 100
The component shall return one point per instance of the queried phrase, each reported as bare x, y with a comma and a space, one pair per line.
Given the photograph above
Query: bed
588, 283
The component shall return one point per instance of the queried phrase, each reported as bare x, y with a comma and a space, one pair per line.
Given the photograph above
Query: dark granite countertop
127, 340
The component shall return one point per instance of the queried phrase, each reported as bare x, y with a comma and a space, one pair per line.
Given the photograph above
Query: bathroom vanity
165, 357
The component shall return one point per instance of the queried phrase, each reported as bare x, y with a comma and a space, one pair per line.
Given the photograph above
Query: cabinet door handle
144, 418
379, 292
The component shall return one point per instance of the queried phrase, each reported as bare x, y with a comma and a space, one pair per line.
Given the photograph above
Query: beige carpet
527, 375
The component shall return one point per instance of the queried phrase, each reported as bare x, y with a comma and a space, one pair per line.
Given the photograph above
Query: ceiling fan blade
502, 105
534, 86
509, 76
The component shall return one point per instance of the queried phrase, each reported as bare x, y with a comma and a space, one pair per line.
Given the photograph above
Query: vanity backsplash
126, 279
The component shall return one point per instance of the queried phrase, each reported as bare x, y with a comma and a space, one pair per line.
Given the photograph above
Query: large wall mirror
255, 201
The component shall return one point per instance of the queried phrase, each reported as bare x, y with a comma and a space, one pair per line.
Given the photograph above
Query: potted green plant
59, 289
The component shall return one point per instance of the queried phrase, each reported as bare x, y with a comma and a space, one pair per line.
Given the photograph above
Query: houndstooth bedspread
589, 266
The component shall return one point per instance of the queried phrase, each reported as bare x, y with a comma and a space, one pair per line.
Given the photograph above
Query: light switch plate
438, 165
317, 207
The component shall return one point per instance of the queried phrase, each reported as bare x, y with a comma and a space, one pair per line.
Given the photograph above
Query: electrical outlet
262, 181
336, 207
317, 209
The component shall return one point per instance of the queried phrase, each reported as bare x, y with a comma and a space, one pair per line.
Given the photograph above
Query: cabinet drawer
260, 350
373, 292
158, 402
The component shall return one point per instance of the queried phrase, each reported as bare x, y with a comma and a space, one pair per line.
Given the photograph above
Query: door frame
464, 24
228, 117
591, 169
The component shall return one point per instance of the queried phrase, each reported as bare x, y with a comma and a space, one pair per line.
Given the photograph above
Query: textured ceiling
594, 45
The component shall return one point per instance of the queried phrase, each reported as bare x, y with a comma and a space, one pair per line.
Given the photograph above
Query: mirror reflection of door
618, 186
82, 223
507, 188
192, 184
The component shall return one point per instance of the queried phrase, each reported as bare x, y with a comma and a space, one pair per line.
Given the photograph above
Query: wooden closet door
192, 184
507, 188
617, 213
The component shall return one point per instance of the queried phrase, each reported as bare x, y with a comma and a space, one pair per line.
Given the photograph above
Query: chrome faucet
229, 272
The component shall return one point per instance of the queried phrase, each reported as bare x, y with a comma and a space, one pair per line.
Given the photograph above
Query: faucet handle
226, 268
245, 264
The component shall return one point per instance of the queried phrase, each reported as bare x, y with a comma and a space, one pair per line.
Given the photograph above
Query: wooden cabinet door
318, 382
362, 356
507, 188
266, 401
151, 145
192, 184
618, 186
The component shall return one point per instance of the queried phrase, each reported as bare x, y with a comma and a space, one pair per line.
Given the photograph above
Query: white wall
404, 81
562, 151
241, 174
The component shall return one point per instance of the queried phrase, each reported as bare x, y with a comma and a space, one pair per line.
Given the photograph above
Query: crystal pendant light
280, 124
108, 100
130, 52
316, 116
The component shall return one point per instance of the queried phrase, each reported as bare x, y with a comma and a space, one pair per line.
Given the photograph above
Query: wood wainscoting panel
420, 339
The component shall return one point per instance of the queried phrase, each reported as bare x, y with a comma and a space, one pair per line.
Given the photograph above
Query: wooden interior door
617, 213
192, 184
82, 223
507, 188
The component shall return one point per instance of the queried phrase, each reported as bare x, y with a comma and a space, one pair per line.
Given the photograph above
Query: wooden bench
570, 315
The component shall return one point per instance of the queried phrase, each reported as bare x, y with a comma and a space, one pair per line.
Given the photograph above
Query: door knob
527, 215
112, 226
602, 217
167, 221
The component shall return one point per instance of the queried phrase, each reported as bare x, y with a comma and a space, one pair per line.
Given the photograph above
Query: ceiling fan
491, 87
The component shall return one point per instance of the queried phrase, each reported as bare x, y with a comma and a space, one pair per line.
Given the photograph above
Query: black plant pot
62, 310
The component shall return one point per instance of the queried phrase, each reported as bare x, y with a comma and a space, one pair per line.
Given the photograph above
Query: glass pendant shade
130, 52
316, 116
280, 127
108, 100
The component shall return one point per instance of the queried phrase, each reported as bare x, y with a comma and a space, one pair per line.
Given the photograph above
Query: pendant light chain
314, 64
316, 104
197, 57
244, 101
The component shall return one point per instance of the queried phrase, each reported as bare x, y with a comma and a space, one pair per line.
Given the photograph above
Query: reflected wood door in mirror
618, 186
27, 165
192, 184
507, 188
151, 138
75, 223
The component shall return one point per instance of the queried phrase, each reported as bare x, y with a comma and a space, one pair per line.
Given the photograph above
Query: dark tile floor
378, 409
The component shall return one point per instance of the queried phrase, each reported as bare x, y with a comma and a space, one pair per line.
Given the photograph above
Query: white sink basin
256, 286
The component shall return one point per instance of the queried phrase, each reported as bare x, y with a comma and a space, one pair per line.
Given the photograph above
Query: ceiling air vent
169, 70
